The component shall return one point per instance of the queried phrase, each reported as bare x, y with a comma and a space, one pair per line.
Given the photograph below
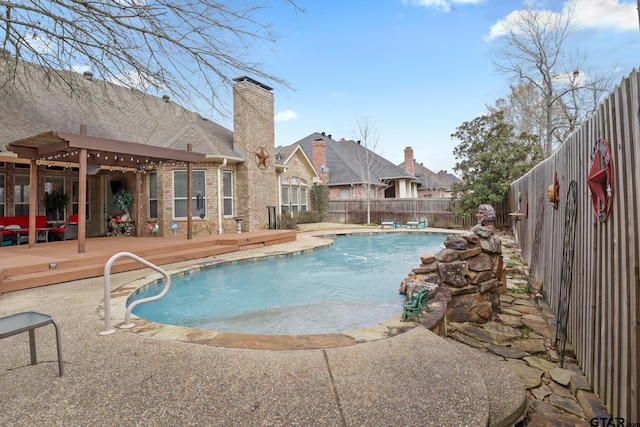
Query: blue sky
417, 68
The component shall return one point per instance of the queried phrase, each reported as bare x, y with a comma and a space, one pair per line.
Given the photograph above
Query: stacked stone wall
470, 269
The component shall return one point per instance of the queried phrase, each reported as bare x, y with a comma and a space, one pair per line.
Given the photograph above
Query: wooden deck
22, 267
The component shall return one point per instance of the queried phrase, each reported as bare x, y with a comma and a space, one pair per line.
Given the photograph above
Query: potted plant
55, 202
123, 199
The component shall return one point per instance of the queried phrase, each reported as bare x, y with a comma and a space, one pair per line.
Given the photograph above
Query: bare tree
184, 47
367, 135
532, 50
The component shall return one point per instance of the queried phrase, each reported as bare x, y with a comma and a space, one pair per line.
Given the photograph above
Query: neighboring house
236, 178
345, 165
432, 185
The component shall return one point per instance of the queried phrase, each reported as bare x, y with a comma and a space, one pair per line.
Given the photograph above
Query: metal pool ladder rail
107, 290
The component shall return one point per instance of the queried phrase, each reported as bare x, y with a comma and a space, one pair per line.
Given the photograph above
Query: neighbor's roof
344, 159
431, 180
37, 104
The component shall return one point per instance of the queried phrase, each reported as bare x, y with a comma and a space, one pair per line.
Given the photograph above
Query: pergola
91, 151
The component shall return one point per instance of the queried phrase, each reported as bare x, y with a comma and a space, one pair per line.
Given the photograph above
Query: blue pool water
351, 284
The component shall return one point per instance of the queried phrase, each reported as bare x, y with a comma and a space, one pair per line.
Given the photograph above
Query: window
227, 193
284, 195
75, 191
198, 194
2, 196
344, 193
55, 198
153, 195
294, 195
21, 195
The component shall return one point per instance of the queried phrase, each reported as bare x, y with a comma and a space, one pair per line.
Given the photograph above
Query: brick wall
255, 188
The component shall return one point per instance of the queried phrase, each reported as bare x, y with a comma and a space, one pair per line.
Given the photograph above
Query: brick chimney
319, 159
408, 160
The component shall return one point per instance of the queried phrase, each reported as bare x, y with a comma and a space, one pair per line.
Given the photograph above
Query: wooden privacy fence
602, 297
439, 212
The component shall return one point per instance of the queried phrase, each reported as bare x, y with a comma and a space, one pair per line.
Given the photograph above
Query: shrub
308, 217
286, 222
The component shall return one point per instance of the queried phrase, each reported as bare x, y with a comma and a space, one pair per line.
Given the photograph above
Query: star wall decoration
600, 180
262, 155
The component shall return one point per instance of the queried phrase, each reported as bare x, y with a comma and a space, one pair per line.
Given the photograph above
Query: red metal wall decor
601, 179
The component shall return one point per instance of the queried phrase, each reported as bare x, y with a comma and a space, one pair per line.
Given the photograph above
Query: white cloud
442, 5
285, 116
610, 14
80, 69
588, 14
511, 21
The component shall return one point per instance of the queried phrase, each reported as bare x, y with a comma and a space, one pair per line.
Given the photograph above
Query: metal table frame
29, 321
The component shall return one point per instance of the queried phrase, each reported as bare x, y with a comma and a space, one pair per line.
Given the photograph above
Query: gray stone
561, 376
426, 268
579, 382
480, 313
475, 277
427, 259
510, 320
470, 289
481, 231
532, 346
479, 334
447, 255
531, 377
560, 390
465, 339
482, 262
537, 362
526, 302
555, 420
491, 245
541, 392
470, 253
454, 273
470, 237
508, 352
455, 242
569, 405
507, 299
503, 333
489, 285
591, 405
537, 324
523, 309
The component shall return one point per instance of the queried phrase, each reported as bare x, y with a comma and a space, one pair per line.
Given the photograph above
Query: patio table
29, 321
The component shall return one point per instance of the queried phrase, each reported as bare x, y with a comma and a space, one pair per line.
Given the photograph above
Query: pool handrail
107, 290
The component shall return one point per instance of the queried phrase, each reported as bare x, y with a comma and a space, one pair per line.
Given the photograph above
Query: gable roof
430, 180
36, 104
285, 154
344, 158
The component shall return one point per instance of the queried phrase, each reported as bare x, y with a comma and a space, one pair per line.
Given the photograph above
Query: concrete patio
132, 379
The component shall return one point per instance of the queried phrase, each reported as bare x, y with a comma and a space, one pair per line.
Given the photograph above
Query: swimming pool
349, 285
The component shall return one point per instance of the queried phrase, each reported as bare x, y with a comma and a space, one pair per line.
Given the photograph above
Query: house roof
430, 180
32, 103
285, 154
344, 158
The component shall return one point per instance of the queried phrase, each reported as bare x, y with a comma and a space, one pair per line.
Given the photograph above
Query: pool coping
434, 319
